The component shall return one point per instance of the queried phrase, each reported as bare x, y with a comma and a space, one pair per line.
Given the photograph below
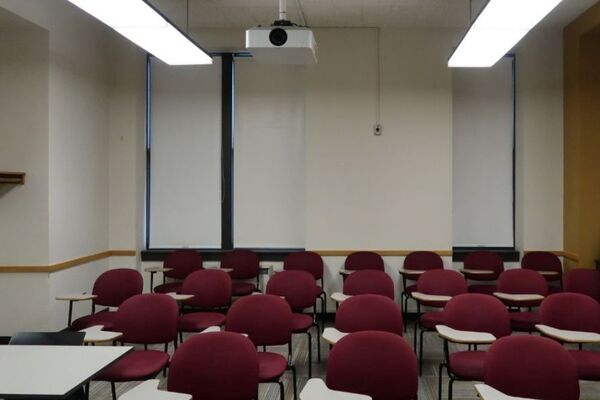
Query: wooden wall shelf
12, 178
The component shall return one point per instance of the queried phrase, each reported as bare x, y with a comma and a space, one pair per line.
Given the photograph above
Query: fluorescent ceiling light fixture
141, 23
497, 29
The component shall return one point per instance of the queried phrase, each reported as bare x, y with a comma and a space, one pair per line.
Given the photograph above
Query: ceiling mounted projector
283, 42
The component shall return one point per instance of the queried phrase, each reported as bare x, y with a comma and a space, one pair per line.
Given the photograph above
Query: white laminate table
52, 372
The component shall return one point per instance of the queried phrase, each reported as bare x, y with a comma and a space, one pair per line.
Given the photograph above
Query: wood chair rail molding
66, 264
383, 253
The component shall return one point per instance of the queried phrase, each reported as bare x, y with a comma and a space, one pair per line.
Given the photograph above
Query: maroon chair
472, 312
547, 262
522, 281
360, 260
182, 262
311, 262
112, 287
369, 312
298, 289
212, 291
216, 366
267, 320
144, 319
483, 260
377, 364
438, 282
369, 282
416, 261
532, 367
575, 312
583, 280
245, 265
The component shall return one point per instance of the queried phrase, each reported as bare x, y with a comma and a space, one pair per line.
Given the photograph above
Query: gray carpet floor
428, 382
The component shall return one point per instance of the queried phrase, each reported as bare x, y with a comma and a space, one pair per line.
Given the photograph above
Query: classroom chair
583, 280
311, 262
180, 264
546, 263
482, 266
245, 265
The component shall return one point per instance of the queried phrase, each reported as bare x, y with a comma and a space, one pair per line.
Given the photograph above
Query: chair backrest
571, 311
377, 364
369, 282
584, 281
211, 288
245, 263
484, 260
369, 312
532, 367
216, 366
298, 287
423, 261
265, 318
308, 261
478, 313
117, 285
183, 262
442, 282
542, 261
360, 260
522, 281
147, 319
48, 338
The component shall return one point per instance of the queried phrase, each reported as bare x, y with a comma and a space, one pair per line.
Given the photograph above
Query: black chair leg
113, 390
309, 354
294, 382
318, 343
440, 381
421, 351
450, 388
281, 391
415, 337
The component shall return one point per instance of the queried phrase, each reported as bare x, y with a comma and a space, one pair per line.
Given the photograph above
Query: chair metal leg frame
113, 391
281, 390
421, 333
291, 367
452, 377
417, 325
309, 354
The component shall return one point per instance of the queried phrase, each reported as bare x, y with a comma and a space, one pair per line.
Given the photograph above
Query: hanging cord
378, 99
187, 17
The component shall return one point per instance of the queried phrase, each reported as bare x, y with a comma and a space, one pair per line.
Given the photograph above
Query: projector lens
278, 37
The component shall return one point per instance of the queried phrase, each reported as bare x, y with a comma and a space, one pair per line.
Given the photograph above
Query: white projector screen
269, 155
483, 123
185, 162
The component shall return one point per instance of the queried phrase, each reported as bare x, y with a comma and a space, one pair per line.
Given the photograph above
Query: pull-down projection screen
483, 124
185, 162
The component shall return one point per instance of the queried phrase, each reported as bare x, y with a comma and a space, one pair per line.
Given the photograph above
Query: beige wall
24, 144
539, 141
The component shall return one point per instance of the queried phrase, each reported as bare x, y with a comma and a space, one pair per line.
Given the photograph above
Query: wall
582, 142
83, 91
539, 158
24, 132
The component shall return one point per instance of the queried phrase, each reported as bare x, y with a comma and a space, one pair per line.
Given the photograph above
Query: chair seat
137, 365
430, 319
270, 366
524, 321
483, 289
199, 321
105, 318
588, 364
301, 322
168, 287
242, 288
468, 365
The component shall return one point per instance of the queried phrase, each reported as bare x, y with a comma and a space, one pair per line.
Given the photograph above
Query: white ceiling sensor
283, 42
145, 26
497, 29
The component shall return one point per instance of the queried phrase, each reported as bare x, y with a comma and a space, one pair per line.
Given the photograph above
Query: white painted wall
540, 141
24, 144
392, 191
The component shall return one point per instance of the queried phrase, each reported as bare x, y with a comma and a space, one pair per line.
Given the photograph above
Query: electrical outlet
377, 130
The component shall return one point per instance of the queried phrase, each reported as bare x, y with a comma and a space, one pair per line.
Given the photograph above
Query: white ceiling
344, 13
